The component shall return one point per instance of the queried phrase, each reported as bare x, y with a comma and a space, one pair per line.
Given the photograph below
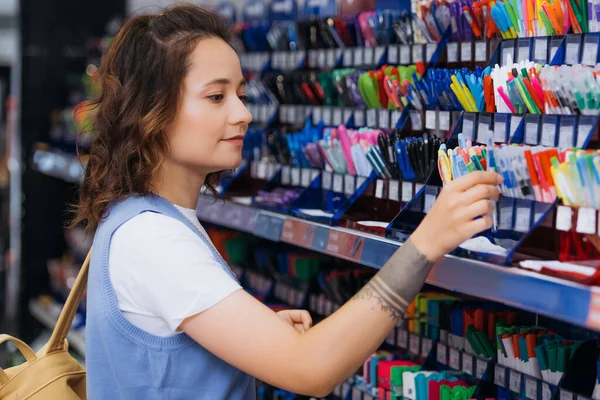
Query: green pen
471, 167
547, 24
475, 161
512, 16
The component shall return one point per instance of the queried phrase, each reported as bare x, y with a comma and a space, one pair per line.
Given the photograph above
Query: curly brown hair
140, 79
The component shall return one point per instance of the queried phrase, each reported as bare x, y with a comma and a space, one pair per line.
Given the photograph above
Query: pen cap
562, 357
552, 354
540, 353
523, 351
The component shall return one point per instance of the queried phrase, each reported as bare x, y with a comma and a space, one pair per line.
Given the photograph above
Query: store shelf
40, 312
58, 165
559, 299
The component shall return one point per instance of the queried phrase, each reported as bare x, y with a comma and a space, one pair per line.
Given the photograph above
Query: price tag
317, 115
321, 58
514, 382
480, 367
416, 121
369, 56
508, 52
483, 130
442, 353
565, 395
554, 46
572, 55
402, 338
404, 56
414, 344
390, 338
407, 192
394, 190
586, 221
312, 58
285, 175
261, 172
379, 189
359, 118
523, 52
466, 51
548, 134
430, 119
523, 219
499, 131
359, 60
444, 120
305, 177
468, 125
372, 118
349, 185
395, 117
531, 388
426, 346
454, 359
467, 364
295, 173
500, 376
452, 51
360, 180
531, 132
338, 116
540, 50
338, 183
393, 54
357, 394
546, 392
564, 218
583, 132
429, 51
515, 121
347, 59
331, 58
481, 51
417, 53
429, 201
327, 116
327, 180
566, 132
384, 119
590, 51
379, 52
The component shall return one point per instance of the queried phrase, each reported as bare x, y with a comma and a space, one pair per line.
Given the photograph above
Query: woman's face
208, 131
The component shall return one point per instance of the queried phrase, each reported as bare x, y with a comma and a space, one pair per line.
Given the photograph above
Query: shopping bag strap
22, 347
57, 340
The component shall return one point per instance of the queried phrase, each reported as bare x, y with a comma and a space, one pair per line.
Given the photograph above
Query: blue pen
462, 142
491, 166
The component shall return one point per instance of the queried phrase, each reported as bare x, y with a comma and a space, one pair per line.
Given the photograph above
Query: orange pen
471, 21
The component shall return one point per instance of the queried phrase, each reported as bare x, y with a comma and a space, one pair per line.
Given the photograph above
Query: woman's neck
178, 184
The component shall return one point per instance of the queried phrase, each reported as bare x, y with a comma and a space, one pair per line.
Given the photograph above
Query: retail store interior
362, 111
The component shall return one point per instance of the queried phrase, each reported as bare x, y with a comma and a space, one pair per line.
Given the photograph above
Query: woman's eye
216, 97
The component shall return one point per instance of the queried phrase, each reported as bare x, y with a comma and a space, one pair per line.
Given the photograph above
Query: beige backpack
51, 373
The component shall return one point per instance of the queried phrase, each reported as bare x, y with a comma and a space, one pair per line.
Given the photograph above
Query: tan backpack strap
57, 340
23, 348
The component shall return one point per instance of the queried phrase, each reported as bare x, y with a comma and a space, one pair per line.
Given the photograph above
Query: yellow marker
444, 167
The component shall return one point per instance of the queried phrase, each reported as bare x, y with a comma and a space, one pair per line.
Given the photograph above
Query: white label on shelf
523, 219
467, 363
321, 58
326, 180
429, 201
565, 395
414, 344
338, 183
583, 131
369, 56
312, 58
480, 367
395, 117
499, 131
331, 58
430, 118
565, 136
349, 185
590, 53
317, 115
338, 116
347, 58
466, 50
327, 117
429, 50
359, 181
442, 353
546, 392
407, 191
531, 132
416, 121
484, 133
481, 52
468, 128
586, 221
390, 338
359, 118
295, 176
393, 190
372, 118
404, 57
454, 359
357, 394
426, 345
402, 338
285, 175
548, 134
262, 170
305, 177
572, 53
564, 218
444, 120
359, 60
452, 51
417, 53
507, 51
418, 187
384, 119
499, 376
379, 189
540, 49
379, 51
514, 381
522, 53
393, 54
531, 390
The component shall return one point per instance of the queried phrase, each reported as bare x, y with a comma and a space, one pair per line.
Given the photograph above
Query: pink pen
506, 99
346, 145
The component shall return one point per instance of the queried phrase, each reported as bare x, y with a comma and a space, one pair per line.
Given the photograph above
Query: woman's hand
299, 319
453, 217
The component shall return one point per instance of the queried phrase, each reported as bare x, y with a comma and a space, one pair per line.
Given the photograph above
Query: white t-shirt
162, 272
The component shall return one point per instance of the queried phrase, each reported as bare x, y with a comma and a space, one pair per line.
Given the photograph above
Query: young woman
166, 317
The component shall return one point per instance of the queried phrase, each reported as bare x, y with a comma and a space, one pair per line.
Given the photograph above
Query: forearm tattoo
399, 281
